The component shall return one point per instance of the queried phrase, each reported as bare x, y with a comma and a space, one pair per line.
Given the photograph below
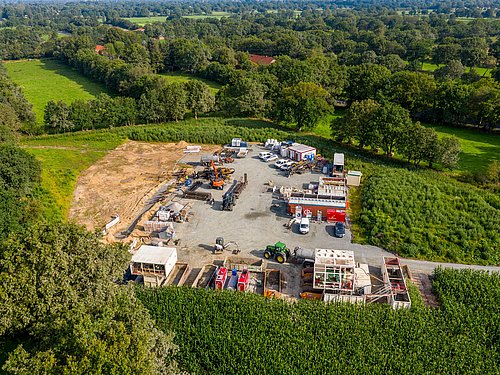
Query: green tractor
278, 251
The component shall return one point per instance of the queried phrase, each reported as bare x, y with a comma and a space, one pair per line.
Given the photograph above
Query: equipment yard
234, 219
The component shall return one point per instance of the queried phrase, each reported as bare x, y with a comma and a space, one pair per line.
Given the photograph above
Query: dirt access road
123, 181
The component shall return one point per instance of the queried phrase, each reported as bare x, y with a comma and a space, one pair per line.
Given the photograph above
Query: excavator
220, 246
217, 181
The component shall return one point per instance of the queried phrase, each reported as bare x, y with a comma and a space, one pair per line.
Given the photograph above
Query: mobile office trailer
153, 263
299, 152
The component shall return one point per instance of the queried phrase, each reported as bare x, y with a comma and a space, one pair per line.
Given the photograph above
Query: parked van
304, 225
265, 154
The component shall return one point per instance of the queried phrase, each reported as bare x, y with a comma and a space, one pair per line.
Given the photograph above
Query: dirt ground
121, 182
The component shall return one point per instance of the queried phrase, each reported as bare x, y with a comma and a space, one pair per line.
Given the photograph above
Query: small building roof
318, 202
338, 159
99, 48
354, 173
153, 254
298, 147
261, 60
335, 257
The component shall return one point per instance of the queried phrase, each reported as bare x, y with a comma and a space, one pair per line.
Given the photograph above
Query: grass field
211, 15
63, 157
45, 80
428, 67
182, 77
141, 21
478, 148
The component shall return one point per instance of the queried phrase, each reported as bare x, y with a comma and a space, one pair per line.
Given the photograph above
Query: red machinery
243, 281
220, 280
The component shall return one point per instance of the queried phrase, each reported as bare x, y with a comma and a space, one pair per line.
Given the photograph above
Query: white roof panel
298, 147
338, 159
354, 173
153, 254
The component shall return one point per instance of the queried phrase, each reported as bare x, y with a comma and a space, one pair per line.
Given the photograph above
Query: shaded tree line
170, 101
389, 127
15, 111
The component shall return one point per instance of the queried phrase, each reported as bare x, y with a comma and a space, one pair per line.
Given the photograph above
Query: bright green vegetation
426, 215
45, 80
183, 77
324, 128
63, 157
141, 21
227, 330
429, 67
211, 15
478, 148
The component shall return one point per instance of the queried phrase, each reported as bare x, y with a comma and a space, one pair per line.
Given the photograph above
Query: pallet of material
197, 195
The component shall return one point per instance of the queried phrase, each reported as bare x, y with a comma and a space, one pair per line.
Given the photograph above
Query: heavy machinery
243, 280
217, 181
227, 202
220, 246
233, 193
278, 251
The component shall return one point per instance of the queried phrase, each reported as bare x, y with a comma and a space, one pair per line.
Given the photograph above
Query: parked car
339, 229
280, 162
286, 166
304, 225
265, 154
270, 158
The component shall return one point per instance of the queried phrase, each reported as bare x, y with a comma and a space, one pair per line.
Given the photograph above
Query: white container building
153, 263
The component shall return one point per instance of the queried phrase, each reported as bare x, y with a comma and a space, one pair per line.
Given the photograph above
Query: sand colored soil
122, 182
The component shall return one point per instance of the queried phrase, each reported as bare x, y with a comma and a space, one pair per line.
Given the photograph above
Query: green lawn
429, 67
141, 21
183, 77
211, 15
63, 157
478, 148
45, 80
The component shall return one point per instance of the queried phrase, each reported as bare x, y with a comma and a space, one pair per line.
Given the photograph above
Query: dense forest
63, 305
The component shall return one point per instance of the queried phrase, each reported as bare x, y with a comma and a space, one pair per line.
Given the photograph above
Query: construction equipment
191, 192
243, 280
207, 160
226, 172
220, 246
278, 251
217, 182
300, 167
227, 202
233, 193
220, 279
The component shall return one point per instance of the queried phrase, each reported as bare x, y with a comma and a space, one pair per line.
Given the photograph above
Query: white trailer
153, 263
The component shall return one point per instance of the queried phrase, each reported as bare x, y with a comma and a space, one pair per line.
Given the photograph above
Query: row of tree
471, 99
15, 111
388, 126
170, 101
